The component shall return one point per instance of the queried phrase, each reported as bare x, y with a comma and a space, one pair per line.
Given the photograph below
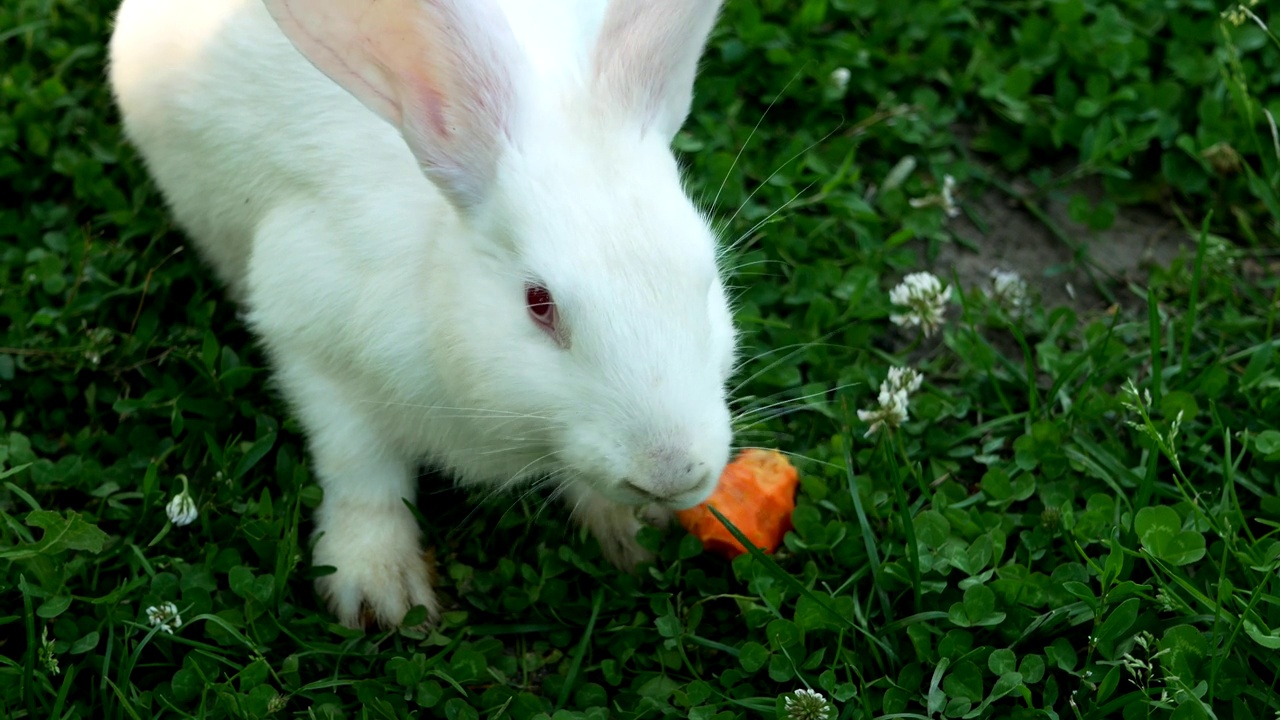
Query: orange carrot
757, 493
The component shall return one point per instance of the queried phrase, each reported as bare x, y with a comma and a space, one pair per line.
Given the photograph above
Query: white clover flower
945, 199
164, 616
805, 704
1009, 291
895, 392
891, 413
948, 196
182, 508
47, 657
904, 379
925, 299
839, 79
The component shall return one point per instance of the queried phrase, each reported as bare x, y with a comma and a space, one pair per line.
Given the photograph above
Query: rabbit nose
676, 477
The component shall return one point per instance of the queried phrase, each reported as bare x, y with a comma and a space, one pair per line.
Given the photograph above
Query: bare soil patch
1066, 269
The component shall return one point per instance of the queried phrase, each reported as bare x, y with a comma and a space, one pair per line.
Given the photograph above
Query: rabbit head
588, 309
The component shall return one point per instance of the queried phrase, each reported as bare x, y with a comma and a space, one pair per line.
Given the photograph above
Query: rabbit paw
382, 572
614, 527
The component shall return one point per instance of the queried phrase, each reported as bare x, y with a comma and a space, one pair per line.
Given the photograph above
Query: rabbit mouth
630, 493
645, 495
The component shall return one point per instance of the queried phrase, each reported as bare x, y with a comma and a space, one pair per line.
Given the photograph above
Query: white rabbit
459, 231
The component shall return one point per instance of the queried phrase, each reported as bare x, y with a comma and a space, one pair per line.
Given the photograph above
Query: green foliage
1078, 520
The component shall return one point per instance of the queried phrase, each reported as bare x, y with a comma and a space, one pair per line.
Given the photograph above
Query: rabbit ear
438, 70
647, 55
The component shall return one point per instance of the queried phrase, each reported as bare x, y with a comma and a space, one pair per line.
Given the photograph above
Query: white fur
382, 250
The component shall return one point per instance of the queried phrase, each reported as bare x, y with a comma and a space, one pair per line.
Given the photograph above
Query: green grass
1038, 540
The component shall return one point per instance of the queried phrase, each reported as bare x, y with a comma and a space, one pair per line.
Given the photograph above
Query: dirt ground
1017, 240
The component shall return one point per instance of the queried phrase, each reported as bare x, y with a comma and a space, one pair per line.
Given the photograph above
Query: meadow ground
1078, 519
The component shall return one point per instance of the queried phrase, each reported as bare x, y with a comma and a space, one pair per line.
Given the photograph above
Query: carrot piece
757, 493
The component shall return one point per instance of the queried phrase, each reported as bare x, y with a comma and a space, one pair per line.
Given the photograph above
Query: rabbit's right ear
647, 56
438, 70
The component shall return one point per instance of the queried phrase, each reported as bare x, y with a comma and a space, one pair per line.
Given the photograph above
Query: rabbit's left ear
441, 71
646, 58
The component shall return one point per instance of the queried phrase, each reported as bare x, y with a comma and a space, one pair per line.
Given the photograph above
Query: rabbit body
387, 195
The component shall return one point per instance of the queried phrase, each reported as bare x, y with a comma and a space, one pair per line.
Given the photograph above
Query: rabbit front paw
615, 525
382, 572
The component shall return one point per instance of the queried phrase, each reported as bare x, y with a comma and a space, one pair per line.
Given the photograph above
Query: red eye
542, 307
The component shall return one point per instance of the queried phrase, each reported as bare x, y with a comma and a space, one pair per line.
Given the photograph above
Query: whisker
752, 134
534, 487
733, 247
752, 431
735, 269
787, 162
794, 455
557, 493
755, 411
511, 448
516, 476
577, 505
745, 401
799, 347
741, 364
760, 420
484, 412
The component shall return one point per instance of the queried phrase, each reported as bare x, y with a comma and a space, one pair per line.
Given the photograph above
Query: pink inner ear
430, 106
439, 70
335, 37
646, 57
